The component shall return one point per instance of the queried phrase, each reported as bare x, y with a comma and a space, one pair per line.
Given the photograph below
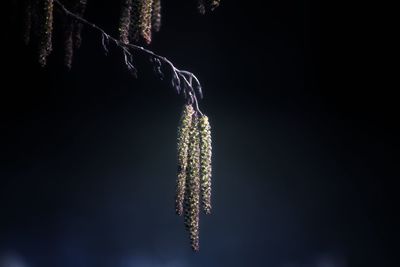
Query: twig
181, 79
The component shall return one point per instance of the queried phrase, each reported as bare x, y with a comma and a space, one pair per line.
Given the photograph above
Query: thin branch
181, 79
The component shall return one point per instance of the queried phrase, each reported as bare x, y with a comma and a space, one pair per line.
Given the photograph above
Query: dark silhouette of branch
182, 81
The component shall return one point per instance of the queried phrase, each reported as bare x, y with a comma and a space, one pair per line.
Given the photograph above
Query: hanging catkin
192, 194
45, 43
156, 15
125, 20
183, 146
206, 5
72, 33
27, 22
205, 162
78, 26
145, 20
201, 6
134, 29
69, 44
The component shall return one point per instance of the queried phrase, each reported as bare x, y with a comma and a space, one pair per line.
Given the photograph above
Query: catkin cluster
38, 23
194, 170
138, 19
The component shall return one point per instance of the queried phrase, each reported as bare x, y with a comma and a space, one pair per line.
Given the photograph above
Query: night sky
302, 166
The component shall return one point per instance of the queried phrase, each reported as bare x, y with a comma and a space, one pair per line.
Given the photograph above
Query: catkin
156, 15
183, 146
81, 7
45, 45
134, 29
125, 21
140, 24
205, 159
192, 196
201, 7
27, 22
214, 4
145, 20
206, 5
69, 45
73, 29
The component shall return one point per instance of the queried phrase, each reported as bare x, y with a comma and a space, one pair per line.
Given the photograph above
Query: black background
302, 137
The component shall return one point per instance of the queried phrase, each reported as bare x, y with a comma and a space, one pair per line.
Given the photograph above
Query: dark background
302, 168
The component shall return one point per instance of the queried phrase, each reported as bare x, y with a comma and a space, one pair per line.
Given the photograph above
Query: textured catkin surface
156, 15
145, 20
205, 159
124, 21
192, 196
183, 146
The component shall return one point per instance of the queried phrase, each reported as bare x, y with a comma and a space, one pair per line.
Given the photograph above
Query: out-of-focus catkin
192, 196
69, 45
201, 7
73, 29
207, 5
45, 45
183, 146
134, 28
145, 20
205, 162
27, 22
156, 15
81, 8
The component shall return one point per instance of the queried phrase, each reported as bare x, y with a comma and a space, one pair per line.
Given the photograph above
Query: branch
182, 80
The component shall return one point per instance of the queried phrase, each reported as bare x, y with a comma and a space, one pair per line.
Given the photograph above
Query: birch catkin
81, 8
205, 159
145, 20
156, 15
183, 146
27, 22
192, 197
124, 21
45, 46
